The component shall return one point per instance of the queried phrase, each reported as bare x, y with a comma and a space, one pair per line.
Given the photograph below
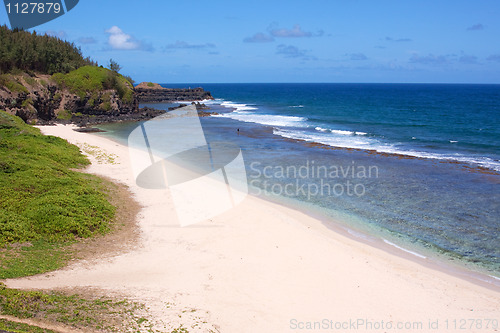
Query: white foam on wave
405, 250
340, 132
329, 139
217, 101
484, 162
238, 106
266, 119
243, 112
296, 106
340, 140
321, 129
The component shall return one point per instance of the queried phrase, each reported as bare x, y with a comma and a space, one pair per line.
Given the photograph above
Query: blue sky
289, 41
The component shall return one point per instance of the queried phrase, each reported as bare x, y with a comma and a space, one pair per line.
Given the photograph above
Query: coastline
261, 265
429, 258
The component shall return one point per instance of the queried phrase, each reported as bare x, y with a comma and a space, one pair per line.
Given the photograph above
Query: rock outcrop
45, 99
148, 92
39, 99
145, 113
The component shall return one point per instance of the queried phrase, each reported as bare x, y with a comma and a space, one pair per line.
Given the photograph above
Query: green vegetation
44, 204
11, 83
28, 51
151, 84
98, 313
91, 80
31, 258
31, 81
114, 66
64, 115
129, 79
25, 56
27, 102
21, 328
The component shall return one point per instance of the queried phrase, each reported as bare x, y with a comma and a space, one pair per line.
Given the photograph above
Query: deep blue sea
417, 165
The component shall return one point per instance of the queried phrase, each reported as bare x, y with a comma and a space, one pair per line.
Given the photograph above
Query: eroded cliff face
80, 97
148, 92
39, 99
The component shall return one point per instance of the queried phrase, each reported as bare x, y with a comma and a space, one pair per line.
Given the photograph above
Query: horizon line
408, 83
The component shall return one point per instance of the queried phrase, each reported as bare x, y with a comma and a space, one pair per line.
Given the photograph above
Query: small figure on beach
238, 131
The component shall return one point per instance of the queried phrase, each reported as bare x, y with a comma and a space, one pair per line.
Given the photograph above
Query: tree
113, 65
26, 51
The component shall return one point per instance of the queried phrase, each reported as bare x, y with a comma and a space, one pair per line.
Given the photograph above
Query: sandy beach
262, 267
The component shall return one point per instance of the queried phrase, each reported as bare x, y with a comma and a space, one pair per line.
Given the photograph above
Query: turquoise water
416, 164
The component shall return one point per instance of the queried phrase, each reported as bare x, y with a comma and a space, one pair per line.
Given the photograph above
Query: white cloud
119, 40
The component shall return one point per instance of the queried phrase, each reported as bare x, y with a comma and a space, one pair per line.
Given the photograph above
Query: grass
31, 81
64, 115
44, 203
91, 80
21, 328
46, 207
12, 84
99, 313
32, 258
27, 103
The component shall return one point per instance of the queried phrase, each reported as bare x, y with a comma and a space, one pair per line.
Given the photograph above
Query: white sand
262, 267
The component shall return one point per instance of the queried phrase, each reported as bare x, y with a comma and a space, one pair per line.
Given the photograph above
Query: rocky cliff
148, 92
88, 95
39, 98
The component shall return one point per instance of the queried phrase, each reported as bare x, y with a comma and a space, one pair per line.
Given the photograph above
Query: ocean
415, 165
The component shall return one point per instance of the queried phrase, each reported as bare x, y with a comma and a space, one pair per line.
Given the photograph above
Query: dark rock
158, 94
145, 113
